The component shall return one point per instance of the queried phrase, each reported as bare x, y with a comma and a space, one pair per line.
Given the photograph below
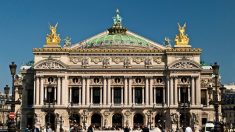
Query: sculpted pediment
185, 65
50, 64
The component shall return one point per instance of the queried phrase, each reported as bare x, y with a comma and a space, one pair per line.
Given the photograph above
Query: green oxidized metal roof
118, 37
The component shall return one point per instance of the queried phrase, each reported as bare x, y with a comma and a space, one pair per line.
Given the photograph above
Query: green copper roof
118, 37
115, 40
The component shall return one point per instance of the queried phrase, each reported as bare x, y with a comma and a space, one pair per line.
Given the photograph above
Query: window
75, 80
117, 80
138, 95
50, 79
50, 95
75, 95
138, 80
184, 95
159, 95
203, 97
96, 95
96, 80
117, 96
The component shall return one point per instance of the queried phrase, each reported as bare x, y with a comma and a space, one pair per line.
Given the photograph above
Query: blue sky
210, 26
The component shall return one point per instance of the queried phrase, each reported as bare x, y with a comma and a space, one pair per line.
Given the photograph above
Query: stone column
91, 95
198, 91
179, 95
168, 92
151, 91
55, 93
171, 91
80, 95
193, 90
133, 96
101, 97
143, 93
121, 95
164, 95
105, 89
65, 91
37, 90
112, 91
146, 91
130, 90
176, 91
83, 90
88, 91
109, 91
154, 95
59, 88
34, 89
41, 91
125, 90
70, 94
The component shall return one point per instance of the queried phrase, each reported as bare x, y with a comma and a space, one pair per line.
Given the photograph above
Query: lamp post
13, 102
215, 100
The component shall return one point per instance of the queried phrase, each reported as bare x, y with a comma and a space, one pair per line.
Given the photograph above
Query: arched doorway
138, 121
117, 121
96, 120
159, 121
184, 119
74, 118
50, 120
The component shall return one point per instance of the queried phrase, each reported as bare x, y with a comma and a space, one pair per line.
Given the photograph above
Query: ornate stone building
116, 79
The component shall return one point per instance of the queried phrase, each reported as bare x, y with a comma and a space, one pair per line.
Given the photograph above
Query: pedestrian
126, 129
35, 129
90, 128
145, 129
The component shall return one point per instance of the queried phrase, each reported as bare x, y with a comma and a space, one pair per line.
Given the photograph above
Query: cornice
184, 50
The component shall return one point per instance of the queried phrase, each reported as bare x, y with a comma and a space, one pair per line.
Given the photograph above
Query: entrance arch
138, 120
75, 118
159, 121
117, 121
96, 120
50, 120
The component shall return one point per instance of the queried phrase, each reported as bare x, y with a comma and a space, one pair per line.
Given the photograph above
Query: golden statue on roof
53, 38
182, 39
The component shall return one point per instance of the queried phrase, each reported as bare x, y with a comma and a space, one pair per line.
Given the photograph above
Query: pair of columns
173, 91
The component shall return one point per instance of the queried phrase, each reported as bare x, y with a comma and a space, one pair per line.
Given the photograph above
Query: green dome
115, 40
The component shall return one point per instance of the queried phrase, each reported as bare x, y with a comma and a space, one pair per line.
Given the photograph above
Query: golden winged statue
53, 38
181, 38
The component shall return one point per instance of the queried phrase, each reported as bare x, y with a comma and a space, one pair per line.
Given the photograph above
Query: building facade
116, 79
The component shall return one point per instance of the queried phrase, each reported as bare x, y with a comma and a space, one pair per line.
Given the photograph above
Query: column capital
127, 76
85, 77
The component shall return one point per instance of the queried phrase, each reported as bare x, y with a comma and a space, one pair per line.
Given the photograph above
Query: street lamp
215, 100
13, 102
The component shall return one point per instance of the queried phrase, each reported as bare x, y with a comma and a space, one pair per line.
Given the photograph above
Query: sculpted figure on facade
181, 38
148, 62
67, 42
53, 38
85, 62
106, 62
127, 62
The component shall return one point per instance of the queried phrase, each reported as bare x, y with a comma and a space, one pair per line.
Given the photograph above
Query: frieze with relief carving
75, 60
49, 64
205, 82
127, 62
138, 60
117, 60
106, 62
148, 62
184, 65
96, 60
85, 62
158, 59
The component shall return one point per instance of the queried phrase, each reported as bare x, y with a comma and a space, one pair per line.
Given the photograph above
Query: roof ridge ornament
53, 39
117, 27
181, 39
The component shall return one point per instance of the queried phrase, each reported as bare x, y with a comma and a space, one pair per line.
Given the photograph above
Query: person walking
145, 129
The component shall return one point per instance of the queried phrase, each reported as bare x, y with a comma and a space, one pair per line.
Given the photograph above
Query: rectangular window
159, 95
96, 95
203, 97
138, 95
183, 95
51, 95
117, 95
75, 95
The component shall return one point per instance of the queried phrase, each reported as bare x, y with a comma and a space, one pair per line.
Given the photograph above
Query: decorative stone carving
184, 65
50, 64
106, 62
158, 60
127, 62
96, 60
138, 60
174, 118
127, 113
148, 62
195, 118
117, 81
75, 60
117, 60
205, 82
85, 62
